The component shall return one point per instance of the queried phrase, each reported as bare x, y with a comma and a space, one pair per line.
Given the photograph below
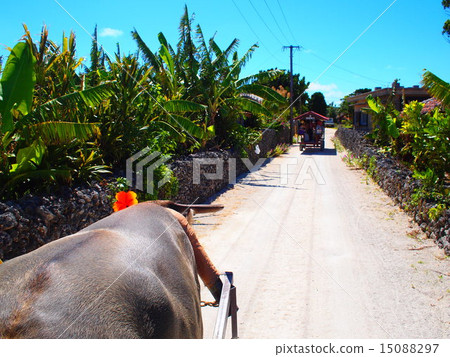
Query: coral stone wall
33, 221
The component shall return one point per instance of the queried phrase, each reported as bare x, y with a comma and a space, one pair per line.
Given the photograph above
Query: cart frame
318, 139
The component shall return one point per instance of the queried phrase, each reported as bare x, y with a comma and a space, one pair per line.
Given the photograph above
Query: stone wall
28, 223
32, 221
203, 174
398, 182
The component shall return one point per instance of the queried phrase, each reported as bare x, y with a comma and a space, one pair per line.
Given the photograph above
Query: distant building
311, 116
431, 104
398, 95
308, 117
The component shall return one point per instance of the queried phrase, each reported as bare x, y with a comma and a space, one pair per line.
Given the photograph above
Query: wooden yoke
206, 269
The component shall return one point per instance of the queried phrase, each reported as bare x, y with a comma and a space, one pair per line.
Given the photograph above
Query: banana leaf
437, 87
59, 132
149, 56
183, 106
28, 158
373, 104
89, 97
248, 105
17, 84
186, 125
263, 92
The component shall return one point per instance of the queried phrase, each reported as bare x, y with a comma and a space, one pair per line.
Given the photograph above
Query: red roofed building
311, 116
429, 105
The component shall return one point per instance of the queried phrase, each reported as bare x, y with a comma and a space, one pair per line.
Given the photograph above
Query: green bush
63, 122
278, 150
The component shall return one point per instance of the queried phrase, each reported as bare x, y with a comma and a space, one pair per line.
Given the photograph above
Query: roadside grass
278, 150
337, 144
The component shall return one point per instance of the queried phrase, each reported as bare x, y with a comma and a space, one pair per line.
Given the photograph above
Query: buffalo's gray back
130, 275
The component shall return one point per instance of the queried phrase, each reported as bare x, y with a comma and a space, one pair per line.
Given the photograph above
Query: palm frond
263, 77
437, 87
263, 92
183, 106
89, 97
59, 132
186, 125
149, 56
248, 105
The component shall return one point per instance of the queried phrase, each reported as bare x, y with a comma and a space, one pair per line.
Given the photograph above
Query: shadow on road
325, 152
269, 179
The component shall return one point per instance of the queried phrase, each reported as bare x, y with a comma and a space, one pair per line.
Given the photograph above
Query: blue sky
401, 43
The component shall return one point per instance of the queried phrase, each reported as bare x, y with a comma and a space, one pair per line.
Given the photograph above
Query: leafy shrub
243, 139
278, 150
175, 100
352, 160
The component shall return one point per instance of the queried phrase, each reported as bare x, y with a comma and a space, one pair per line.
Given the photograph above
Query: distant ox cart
311, 130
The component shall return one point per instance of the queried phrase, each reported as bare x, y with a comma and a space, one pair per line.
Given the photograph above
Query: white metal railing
227, 308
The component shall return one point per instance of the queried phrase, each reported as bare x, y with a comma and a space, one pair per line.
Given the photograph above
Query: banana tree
202, 73
26, 134
384, 120
227, 96
216, 82
16, 86
437, 87
173, 108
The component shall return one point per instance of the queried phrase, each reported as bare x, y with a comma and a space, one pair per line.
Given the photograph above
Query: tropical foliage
281, 83
318, 104
437, 87
64, 121
419, 138
43, 140
383, 121
446, 27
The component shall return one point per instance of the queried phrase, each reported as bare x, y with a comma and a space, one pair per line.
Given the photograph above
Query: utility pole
291, 119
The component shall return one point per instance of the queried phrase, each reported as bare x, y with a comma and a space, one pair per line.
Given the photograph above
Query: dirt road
318, 251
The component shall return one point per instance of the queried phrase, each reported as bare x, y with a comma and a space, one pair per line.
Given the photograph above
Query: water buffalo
132, 274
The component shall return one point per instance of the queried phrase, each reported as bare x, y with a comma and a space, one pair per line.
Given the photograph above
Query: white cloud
317, 87
394, 68
330, 91
109, 32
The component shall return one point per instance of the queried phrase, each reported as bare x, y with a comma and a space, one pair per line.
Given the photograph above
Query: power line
337, 58
354, 82
264, 22
276, 22
254, 32
347, 70
286, 21
356, 39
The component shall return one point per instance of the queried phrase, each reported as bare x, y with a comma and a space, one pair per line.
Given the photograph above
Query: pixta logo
141, 167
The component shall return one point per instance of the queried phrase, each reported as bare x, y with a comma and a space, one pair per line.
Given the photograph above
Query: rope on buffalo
209, 303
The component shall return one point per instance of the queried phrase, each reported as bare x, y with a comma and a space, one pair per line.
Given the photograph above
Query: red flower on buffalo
124, 200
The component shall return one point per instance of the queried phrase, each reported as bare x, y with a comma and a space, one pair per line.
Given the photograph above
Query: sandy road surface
319, 252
